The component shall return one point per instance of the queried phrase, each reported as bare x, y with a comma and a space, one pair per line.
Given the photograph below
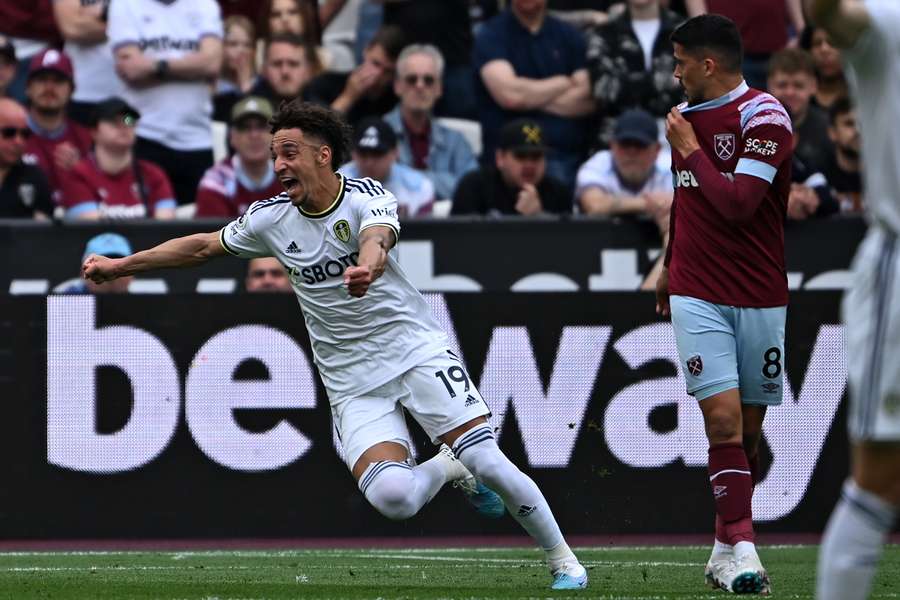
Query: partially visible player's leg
475, 446
870, 501
860, 524
376, 443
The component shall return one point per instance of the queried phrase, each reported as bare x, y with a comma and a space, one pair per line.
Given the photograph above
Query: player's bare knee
722, 428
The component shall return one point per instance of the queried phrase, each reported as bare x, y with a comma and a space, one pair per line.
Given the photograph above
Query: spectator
266, 275
583, 14
375, 156
58, 142
517, 183
367, 91
831, 84
626, 180
844, 170
531, 64
453, 38
810, 194
792, 80
289, 65
31, 28
231, 186
168, 53
339, 19
8, 64
110, 183
24, 191
631, 64
764, 27
83, 25
297, 17
440, 153
111, 245
238, 56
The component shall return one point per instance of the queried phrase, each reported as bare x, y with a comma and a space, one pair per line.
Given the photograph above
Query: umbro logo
292, 248
525, 510
720, 491
470, 400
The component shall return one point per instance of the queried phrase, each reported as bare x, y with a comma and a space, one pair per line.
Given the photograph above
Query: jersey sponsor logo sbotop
329, 269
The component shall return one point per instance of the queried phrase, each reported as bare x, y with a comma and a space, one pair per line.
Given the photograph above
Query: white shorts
438, 394
871, 313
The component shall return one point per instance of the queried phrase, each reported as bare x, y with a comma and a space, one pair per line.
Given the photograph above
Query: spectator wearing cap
167, 54
83, 26
630, 63
57, 142
626, 179
375, 156
110, 183
532, 65
232, 185
8, 64
517, 183
24, 191
110, 245
438, 152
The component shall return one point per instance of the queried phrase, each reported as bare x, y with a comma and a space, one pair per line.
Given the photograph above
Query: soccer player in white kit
374, 340
869, 34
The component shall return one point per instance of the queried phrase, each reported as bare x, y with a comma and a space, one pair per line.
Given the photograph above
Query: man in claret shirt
724, 282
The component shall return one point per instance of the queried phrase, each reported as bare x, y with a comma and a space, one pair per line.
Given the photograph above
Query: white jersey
873, 71
599, 171
359, 344
176, 114
94, 67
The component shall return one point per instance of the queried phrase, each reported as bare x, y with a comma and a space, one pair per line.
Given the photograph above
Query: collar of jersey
49, 134
333, 207
721, 100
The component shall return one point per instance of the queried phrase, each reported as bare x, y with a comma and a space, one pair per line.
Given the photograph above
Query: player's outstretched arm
844, 20
185, 251
374, 244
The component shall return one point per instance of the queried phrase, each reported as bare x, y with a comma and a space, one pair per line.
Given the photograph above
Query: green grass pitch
617, 573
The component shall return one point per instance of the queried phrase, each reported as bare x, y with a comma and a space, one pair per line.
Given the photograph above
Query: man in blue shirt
533, 65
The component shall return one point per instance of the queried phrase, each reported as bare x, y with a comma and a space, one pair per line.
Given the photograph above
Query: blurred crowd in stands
121, 109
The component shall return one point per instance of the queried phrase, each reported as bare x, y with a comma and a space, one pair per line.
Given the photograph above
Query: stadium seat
471, 130
219, 140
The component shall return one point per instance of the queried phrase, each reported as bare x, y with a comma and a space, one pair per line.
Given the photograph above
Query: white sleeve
239, 238
884, 16
880, 41
211, 25
595, 173
380, 210
121, 25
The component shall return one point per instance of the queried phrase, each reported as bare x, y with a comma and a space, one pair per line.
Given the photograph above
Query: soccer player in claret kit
374, 339
869, 35
725, 282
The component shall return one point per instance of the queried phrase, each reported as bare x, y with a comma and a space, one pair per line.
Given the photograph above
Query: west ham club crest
724, 144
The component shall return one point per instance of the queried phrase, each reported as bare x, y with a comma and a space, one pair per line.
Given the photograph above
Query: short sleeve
211, 24
380, 210
160, 190
240, 239
490, 45
767, 140
121, 26
77, 191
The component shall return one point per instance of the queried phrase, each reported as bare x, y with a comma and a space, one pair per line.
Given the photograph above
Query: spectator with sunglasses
231, 186
517, 183
58, 142
24, 191
266, 275
440, 153
110, 183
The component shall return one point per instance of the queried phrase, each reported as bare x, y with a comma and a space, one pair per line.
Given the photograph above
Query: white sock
479, 452
399, 491
720, 548
852, 544
742, 549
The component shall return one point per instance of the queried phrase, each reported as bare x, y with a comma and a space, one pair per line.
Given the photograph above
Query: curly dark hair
712, 34
316, 121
